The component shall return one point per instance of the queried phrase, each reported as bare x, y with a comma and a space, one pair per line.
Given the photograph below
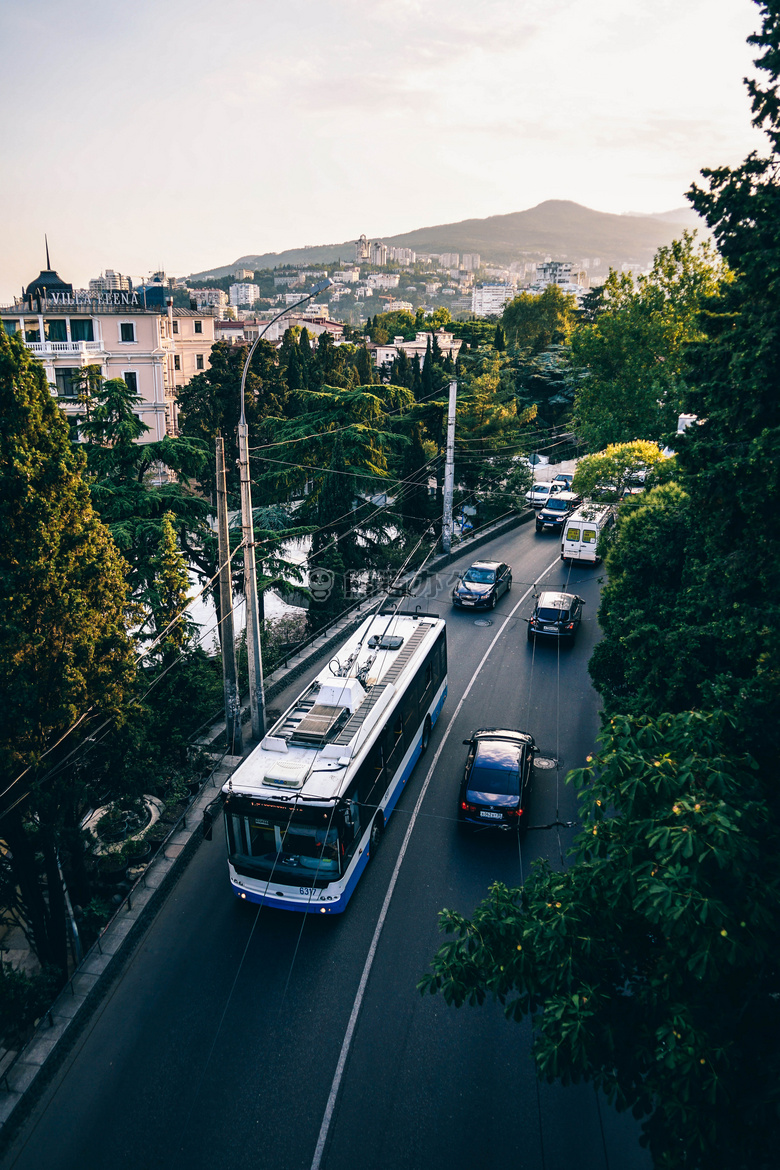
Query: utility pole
256, 694
449, 471
226, 632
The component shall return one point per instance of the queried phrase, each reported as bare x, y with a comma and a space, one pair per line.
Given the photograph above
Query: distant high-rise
110, 280
471, 261
362, 251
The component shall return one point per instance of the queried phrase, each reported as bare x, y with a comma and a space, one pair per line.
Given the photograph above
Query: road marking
347, 1042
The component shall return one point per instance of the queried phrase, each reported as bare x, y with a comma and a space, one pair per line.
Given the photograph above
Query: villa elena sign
129, 299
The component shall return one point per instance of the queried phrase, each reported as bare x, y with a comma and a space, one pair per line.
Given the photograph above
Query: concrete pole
449, 471
226, 632
256, 696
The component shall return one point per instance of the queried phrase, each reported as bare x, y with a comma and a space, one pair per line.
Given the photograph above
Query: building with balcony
155, 350
243, 294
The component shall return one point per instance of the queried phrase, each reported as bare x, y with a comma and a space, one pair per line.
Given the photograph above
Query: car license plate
492, 816
465, 602
552, 629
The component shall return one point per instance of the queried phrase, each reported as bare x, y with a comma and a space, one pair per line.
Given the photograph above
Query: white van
581, 532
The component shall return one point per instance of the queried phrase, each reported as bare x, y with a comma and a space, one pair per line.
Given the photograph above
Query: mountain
557, 228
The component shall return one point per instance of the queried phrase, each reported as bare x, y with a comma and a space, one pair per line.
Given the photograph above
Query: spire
48, 261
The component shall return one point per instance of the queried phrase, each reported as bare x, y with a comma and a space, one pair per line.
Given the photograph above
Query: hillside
558, 228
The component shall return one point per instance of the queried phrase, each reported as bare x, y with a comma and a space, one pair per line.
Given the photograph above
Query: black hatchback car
497, 779
556, 510
556, 615
481, 586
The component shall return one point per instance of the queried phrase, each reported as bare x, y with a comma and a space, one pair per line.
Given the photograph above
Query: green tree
648, 967
65, 655
618, 467
631, 357
169, 593
533, 323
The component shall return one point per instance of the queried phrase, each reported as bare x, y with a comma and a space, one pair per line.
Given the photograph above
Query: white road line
347, 1042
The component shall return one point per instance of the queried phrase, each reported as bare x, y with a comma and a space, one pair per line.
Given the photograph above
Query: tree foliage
649, 966
65, 654
632, 354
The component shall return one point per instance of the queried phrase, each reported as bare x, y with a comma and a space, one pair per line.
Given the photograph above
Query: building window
176, 327
198, 326
198, 361
32, 330
127, 331
64, 379
81, 329
131, 380
56, 330
10, 327
176, 362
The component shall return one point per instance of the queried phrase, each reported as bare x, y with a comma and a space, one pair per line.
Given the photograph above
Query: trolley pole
227, 633
449, 471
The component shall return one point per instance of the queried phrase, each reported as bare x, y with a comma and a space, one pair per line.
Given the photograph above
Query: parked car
496, 782
482, 585
556, 510
565, 479
556, 615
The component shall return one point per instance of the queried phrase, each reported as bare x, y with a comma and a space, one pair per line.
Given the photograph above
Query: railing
64, 347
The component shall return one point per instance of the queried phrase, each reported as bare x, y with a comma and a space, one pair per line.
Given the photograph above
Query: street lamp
256, 697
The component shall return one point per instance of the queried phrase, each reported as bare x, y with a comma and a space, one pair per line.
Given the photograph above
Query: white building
244, 274
362, 251
450, 260
401, 255
243, 294
383, 279
448, 345
347, 275
488, 300
108, 281
379, 253
470, 261
399, 307
553, 272
210, 298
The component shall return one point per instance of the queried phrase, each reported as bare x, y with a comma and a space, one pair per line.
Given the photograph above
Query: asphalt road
219, 1045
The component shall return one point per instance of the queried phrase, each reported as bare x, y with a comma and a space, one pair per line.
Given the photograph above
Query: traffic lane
475, 1059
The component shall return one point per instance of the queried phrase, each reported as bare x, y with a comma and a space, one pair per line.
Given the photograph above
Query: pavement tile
67, 1006
96, 963
172, 851
82, 983
38, 1049
8, 1102
22, 1075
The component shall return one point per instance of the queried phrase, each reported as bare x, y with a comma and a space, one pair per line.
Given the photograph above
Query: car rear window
572, 534
547, 614
499, 781
589, 535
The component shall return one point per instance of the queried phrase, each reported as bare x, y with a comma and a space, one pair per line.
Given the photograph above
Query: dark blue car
497, 779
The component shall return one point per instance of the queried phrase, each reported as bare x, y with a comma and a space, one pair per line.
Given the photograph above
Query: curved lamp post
256, 696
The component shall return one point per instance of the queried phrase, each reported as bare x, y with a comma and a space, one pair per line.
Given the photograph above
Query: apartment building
155, 350
488, 300
243, 294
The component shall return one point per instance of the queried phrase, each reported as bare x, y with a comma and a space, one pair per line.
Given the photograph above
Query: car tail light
466, 807
514, 812
570, 626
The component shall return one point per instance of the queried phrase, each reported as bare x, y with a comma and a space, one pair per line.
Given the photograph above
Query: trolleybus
305, 811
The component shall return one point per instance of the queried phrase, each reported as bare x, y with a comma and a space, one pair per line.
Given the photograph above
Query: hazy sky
186, 133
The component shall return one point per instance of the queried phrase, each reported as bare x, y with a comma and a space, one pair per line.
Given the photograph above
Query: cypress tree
65, 655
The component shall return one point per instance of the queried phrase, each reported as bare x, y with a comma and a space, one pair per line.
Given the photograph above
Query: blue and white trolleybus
306, 809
